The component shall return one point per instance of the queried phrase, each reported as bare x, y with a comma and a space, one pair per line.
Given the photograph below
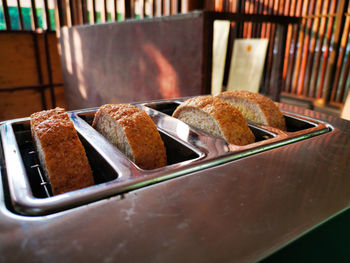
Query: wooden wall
27, 73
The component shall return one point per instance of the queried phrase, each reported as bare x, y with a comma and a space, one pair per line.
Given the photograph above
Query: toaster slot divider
196, 140
121, 165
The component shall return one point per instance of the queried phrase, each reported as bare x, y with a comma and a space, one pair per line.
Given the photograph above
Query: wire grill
43, 182
38, 182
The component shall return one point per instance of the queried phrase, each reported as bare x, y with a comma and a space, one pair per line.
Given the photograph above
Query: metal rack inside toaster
38, 182
188, 150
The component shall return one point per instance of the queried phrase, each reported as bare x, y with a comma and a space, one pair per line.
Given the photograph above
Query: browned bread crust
255, 107
227, 122
133, 132
60, 151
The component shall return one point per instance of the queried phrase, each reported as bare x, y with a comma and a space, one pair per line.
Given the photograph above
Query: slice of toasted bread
255, 107
216, 117
60, 151
133, 132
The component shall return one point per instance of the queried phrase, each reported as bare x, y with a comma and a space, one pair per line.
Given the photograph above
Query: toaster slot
295, 124
176, 151
87, 117
101, 170
169, 108
40, 187
164, 107
261, 134
37, 181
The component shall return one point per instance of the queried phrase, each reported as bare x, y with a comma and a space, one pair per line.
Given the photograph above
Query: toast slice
216, 117
61, 153
133, 132
255, 107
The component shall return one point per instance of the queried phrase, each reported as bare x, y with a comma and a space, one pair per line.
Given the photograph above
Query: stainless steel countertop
240, 211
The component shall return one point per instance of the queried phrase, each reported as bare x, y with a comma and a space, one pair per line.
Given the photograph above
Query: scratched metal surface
240, 211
